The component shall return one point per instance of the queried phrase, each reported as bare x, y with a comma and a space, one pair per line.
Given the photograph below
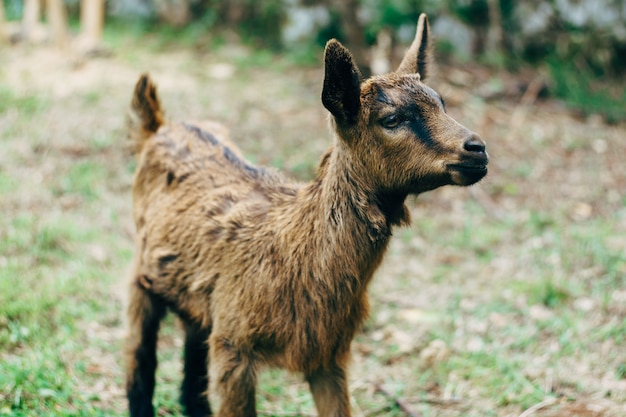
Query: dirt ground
504, 299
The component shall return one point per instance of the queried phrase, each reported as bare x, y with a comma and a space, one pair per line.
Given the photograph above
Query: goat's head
397, 127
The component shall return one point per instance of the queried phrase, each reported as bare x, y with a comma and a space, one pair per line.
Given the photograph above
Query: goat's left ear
341, 93
416, 58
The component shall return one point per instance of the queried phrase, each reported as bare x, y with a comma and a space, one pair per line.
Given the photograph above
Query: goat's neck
346, 181
353, 218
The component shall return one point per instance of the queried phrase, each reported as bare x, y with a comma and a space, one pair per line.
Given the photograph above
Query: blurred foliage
257, 21
594, 50
474, 13
391, 14
582, 90
579, 57
13, 8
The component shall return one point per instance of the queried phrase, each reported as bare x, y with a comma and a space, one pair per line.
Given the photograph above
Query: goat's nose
474, 144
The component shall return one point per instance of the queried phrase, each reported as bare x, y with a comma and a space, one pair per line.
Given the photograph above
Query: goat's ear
341, 93
416, 58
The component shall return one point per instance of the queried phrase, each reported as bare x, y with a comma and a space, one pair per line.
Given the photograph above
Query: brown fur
268, 272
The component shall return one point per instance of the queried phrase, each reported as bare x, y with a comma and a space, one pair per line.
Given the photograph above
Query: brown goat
265, 272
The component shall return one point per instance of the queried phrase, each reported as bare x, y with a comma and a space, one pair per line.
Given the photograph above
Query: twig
436, 401
545, 403
548, 385
380, 410
520, 112
399, 402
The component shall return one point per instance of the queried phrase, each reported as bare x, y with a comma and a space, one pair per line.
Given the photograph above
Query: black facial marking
415, 108
383, 97
418, 125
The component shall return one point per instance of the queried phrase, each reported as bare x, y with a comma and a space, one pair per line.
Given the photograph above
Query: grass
50, 291
27, 105
81, 179
475, 312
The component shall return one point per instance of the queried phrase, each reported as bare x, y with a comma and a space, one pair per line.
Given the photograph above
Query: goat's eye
391, 121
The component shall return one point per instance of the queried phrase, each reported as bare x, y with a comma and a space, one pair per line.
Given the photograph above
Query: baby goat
265, 272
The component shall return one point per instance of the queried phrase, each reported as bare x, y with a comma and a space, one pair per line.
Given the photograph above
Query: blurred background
505, 299
580, 45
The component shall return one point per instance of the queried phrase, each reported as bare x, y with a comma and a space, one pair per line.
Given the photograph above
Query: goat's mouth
467, 173
471, 168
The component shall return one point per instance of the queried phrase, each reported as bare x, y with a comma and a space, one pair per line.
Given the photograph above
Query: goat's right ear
341, 93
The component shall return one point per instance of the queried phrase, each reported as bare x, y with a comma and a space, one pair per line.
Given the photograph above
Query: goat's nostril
474, 144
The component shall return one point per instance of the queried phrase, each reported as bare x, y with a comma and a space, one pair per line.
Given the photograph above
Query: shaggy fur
266, 272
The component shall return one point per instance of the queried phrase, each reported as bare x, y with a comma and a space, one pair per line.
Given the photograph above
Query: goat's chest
301, 326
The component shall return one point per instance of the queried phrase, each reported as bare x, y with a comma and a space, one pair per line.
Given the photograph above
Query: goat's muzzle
471, 166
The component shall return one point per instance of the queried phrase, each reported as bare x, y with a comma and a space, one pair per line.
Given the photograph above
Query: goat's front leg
233, 376
330, 391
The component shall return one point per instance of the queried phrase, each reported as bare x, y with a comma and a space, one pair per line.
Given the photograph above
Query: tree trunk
495, 37
3, 30
173, 12
57, 19
355, 36
30, 18
92, 21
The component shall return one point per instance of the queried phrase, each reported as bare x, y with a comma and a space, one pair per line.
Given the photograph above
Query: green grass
27, 104
535, 311
54, 282
49, 291
83, 179
7, 184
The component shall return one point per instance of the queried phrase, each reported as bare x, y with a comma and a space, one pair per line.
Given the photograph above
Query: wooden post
354, 31
57, 19
3, 30
92, 22
30, 18
495, 36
